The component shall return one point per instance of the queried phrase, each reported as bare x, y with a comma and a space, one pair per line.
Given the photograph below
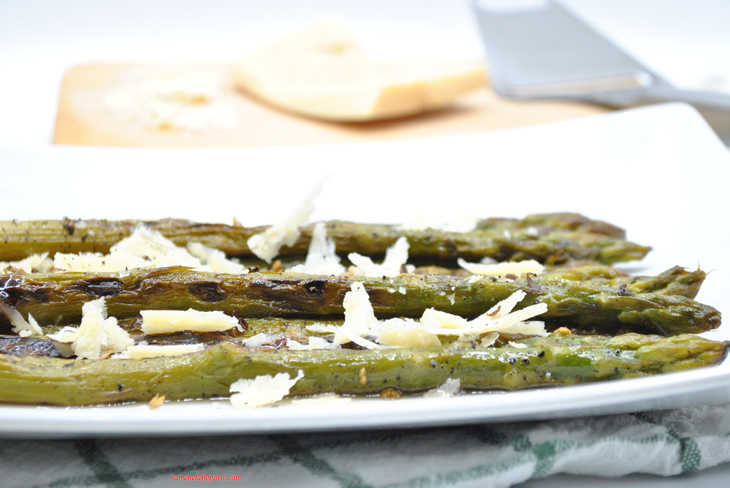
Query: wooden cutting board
82, 118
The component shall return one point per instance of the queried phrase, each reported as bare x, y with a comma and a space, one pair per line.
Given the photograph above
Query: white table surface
686, 42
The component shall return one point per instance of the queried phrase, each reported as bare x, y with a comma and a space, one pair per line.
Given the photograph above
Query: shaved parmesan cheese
95, 334
213, 258
170, 321
450, 388
263, 390
263, 339
34, 262
489, 339
395, 257
406, 333
144, 248
20, 326
314, 343
321, 257
153, 351
502, 269
517, 345
267, 244
498, 318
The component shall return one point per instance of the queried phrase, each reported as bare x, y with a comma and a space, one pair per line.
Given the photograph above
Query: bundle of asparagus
606, 324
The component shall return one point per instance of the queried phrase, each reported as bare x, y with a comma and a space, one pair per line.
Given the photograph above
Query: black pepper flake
622, 290
526, 360
541, 354
578, 378
512, 360
120, 386
615, 370
433, 363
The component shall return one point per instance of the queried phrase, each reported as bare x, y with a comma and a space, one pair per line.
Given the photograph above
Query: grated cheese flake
95, 334
395, 257
498, 318
34, 262
213, 258
170, 321
518, 268
144, 351
267, 244
22, 327
321, 257
450, 388
263, 390
144, 248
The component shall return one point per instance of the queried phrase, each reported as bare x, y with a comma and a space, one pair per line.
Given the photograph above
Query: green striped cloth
483, 455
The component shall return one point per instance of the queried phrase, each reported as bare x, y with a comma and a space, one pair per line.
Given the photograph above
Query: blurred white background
686, 42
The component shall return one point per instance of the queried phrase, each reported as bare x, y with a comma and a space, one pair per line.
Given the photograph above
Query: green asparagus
56, 298
554, 360
551, 238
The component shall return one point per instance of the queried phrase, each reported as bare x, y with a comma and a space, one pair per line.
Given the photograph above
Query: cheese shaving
314, 343
96, 333
498, 318
22, 327
267, 244
144, 248
321, 257
213, 258
395, 257
263, 390
449, 389
144, 351
34, 262
170, 321
518, 268
406, 333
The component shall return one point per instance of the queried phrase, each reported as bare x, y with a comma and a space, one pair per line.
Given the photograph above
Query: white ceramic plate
659, 172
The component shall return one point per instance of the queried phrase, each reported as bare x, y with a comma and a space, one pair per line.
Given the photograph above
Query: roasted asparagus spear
56, 298
553, 360
551, 238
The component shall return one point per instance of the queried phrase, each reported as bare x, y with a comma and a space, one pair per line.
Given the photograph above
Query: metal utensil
540, 50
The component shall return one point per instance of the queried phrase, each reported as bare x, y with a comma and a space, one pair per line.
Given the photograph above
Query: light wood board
82, 118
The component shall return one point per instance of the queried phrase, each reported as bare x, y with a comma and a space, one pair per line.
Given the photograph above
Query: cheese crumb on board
170, 321
263, 390
518, 268
267, 244
396, 257
96, 333
321, 257
173, 101
323, 72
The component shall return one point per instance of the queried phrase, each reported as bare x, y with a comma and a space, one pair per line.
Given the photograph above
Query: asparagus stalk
552, 238
58, 297
554, 360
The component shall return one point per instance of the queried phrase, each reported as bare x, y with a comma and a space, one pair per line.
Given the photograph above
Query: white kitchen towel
663, 443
